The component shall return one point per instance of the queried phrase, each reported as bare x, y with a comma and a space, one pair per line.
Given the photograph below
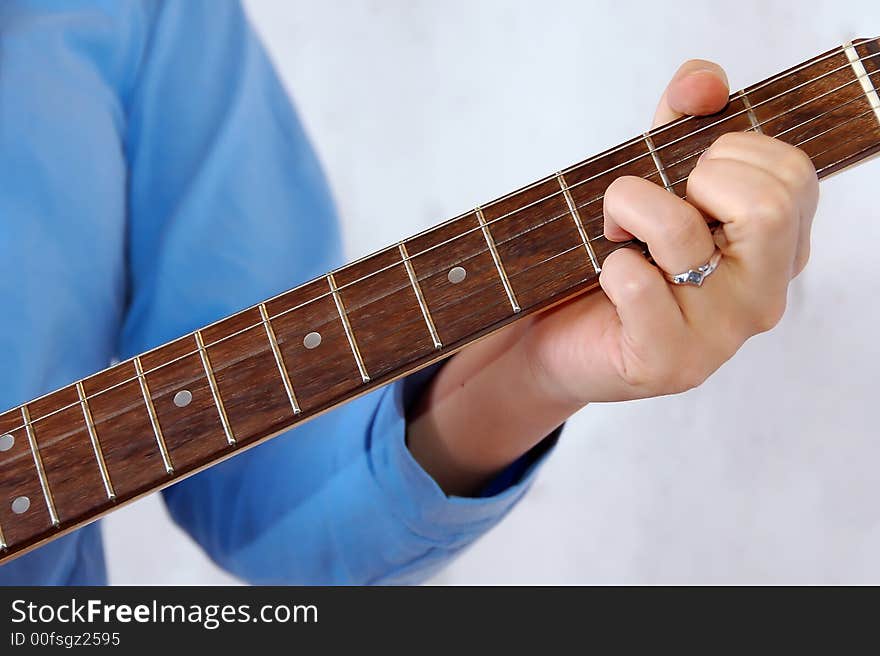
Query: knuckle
726, 140
634, 289
775, 208
680, 229
730, 143
801, 163
797, 169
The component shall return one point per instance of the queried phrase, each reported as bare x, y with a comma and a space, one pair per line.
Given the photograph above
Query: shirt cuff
414, 495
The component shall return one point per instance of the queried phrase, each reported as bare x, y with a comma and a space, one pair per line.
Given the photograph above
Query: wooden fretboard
71, 456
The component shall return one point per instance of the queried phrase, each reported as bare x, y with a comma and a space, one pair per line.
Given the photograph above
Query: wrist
486, 408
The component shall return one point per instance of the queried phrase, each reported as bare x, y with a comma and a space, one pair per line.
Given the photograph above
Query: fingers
698, 88
760, 216
790, 165
762, 191
762, 229
648, 311
759, 189
675, 232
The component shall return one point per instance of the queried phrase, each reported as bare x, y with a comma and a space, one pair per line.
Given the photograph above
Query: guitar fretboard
72, 455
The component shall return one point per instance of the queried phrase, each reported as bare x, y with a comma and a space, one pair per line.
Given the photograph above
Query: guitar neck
77, 453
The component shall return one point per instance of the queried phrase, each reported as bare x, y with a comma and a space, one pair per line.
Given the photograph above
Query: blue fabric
154, 179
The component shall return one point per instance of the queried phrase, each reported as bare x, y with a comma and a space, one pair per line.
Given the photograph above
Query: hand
644, 337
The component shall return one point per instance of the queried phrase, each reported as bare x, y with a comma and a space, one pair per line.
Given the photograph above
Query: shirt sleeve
227, 206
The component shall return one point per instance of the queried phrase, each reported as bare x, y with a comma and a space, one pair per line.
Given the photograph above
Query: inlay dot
312, 340
20, 505
7, 442
183, 398
456, 275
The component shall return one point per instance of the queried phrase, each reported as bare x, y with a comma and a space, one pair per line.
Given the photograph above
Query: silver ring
696, 276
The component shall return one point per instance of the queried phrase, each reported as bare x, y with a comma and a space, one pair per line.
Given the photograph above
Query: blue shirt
154, 178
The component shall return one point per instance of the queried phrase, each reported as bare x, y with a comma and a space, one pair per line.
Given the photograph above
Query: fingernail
712, 71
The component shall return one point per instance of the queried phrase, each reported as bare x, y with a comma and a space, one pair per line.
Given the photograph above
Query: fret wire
154, 418
753, 118
340, 308
815, 136
697, 153
631, 242
279, 360
776, 136
497, 259
772, 80
700, 152
737, 95
649, 142
514, 211
794, 127
598, 217
848, 156
659, 130
215, 390
682, 138
863, 78
684, 119
531, 228
622, 164
96, 445
429, 321
620, 244
38, 463
573, 210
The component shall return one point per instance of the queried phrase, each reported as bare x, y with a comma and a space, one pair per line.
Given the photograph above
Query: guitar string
685, 119
624, 244
658, 149
483, 288
567, 214
815, 61
656, 174
386, 268
578, 245
590, 222
635, 141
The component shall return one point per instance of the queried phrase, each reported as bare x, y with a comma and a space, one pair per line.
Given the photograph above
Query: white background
421, 110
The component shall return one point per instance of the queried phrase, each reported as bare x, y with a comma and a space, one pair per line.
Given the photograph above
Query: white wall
420, 110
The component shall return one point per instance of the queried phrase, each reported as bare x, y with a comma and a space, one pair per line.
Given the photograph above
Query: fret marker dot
183, 398
20, 505
312, 340
7, 442
456, 275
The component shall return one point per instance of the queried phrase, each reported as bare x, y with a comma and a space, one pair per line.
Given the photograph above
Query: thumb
699, 87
